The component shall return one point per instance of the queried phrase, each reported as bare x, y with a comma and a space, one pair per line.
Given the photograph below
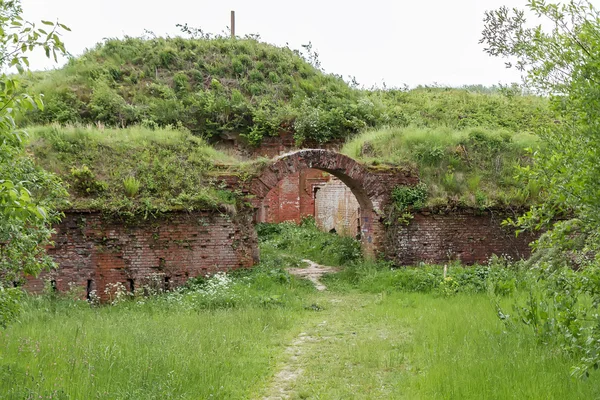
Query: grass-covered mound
131, 170
212, 87
216, 87
467, 107
472, 167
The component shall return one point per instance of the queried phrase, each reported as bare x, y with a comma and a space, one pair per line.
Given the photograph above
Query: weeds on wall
133, 171
405, 200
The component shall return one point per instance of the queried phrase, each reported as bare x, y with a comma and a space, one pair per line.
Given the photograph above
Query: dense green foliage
219, 86
134, 170
561, 57
212, 87
563, 62
472, 167
28, 194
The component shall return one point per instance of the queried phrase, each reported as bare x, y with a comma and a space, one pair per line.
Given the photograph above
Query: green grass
421, 346
473, 167
377, 333
175, 169
215, 340
288, 243
142, 354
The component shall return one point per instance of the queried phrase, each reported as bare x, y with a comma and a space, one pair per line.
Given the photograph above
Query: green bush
85, 183
410, 197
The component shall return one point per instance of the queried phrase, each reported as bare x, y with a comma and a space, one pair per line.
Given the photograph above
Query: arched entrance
371, 188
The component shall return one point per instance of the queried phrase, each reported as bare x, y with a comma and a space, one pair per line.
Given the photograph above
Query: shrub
85, 183
409, 197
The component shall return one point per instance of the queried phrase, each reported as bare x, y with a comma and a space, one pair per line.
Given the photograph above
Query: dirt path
282, 385
313, 273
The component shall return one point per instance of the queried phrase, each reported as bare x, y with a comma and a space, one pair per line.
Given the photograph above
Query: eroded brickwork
93, 252
468, 235
293, 198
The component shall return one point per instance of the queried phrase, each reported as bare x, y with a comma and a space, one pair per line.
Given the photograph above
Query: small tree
563, 62
28, 195
561, 59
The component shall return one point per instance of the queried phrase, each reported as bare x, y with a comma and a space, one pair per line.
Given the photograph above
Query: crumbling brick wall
470, 236
93, 252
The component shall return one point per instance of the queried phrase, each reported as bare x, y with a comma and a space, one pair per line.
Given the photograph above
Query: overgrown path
322, 361
290, 369
339, 321
313, 273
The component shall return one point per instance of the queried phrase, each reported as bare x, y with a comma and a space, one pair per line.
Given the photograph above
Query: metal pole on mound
232, 24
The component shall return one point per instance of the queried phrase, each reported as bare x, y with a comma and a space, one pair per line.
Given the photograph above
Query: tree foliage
561, 58
28, 194
562, 62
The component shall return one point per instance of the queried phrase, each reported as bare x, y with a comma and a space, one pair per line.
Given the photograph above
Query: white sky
397, 42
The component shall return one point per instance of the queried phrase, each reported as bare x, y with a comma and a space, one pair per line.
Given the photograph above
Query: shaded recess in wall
314, 193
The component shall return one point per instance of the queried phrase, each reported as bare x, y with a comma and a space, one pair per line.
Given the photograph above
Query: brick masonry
92, 251
470, 236
271, 146
372, 187
313, 193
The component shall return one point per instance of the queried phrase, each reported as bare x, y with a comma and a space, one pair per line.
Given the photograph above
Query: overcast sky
397, 42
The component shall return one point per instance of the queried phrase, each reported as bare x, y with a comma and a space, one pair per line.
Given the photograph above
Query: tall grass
141, 354
473, 167
216, 339
174, 168
132, 137
418, 346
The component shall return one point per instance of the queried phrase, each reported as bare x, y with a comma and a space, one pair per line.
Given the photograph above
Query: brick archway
372, 188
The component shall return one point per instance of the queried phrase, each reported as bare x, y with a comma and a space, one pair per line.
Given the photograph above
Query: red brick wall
271, 146
293, 197
309, 180
92, 251
469, 236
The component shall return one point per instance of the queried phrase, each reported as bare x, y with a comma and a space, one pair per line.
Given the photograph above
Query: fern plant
131, 185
